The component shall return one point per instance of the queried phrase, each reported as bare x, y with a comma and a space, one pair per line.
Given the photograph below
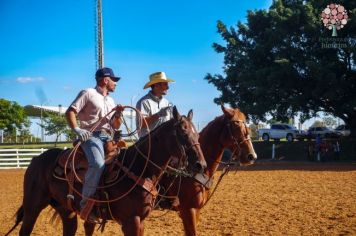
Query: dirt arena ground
269, 198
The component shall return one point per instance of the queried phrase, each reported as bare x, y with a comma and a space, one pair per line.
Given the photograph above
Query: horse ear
190, 115
228, 113
176, 114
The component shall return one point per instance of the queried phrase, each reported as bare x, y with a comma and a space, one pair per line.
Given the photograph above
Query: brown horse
226, 131
176, 137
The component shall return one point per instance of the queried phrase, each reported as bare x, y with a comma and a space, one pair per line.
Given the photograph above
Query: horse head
188, 137
236, 136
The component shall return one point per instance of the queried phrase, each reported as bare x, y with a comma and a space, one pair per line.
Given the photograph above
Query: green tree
254, 131
24, 135
276, 64
12, 116
55, 124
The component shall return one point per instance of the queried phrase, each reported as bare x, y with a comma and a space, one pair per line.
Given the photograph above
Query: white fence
17, 158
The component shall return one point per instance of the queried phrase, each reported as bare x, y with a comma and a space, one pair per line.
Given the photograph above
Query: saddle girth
146, 183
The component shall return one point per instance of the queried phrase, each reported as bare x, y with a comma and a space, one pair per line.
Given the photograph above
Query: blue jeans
94, 152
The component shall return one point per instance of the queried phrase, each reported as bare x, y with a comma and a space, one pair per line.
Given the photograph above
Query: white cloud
24, 80
67, 88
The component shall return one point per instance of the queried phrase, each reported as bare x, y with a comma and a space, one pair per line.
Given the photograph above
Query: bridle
184, 148
163, 170
232, 160
237, 143
181, 146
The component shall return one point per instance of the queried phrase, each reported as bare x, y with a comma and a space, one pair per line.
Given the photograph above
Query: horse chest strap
146, 183
204, 180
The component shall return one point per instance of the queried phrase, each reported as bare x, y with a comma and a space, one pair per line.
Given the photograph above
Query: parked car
324, 132
343, 129
279, 131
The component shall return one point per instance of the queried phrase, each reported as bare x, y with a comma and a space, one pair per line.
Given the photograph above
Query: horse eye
183, 131
184, 126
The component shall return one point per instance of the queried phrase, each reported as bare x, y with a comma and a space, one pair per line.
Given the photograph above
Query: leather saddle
66, 163
65, 159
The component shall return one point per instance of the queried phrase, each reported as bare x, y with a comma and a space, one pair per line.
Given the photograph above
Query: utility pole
99, 47
59, 110
41, 117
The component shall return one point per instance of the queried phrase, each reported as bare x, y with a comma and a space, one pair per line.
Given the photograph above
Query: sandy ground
269, 198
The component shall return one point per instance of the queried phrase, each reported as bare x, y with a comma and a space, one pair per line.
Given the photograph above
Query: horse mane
211, 123
132, 150
220, 119
153, 133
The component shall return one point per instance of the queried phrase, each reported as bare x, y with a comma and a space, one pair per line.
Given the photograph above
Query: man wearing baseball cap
153, 106
90, 106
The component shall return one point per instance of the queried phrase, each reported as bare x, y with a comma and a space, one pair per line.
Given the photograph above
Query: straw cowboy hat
157, 77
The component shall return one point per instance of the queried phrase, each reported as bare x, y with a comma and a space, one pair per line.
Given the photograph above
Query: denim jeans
94, 152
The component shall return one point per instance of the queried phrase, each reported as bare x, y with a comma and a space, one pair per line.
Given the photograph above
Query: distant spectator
336, 149
309, 134
318, 147
310, 151
325, 150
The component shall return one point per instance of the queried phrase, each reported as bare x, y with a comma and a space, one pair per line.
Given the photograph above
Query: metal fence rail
18, 158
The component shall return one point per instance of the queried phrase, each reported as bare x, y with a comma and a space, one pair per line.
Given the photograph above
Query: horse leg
189, 218
142, 228
197, 216
69, 224
89, 228
31, 213
132, 227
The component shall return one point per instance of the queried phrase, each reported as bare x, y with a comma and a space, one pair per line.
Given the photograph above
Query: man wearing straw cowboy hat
91, 106
154, 108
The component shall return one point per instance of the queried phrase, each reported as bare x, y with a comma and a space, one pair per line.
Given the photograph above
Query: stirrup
86, 213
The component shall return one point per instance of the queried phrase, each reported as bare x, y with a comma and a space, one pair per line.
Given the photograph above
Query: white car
324, 132
344, 130
279, 131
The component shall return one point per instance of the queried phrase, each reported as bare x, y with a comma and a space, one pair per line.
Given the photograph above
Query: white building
37, 112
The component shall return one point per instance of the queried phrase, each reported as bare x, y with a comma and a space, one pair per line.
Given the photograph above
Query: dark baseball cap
106, 72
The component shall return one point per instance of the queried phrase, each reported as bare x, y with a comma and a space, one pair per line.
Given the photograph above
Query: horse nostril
251, 157
198, 167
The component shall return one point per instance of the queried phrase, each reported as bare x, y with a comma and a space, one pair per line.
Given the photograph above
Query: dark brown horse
226, 131
173, 138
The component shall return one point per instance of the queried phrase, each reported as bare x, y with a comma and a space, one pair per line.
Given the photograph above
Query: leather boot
87, 214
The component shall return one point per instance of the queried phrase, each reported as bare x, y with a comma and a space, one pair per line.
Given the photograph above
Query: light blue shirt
150, 105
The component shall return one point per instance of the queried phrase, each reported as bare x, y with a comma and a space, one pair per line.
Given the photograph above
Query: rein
225, 171
236, 142
149, 186
73, 152
193, 145
232, 161
180, 146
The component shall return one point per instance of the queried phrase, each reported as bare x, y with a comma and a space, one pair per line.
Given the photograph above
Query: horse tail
55, 218
19, 218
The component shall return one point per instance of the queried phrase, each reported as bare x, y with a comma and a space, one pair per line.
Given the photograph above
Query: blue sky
48, 48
